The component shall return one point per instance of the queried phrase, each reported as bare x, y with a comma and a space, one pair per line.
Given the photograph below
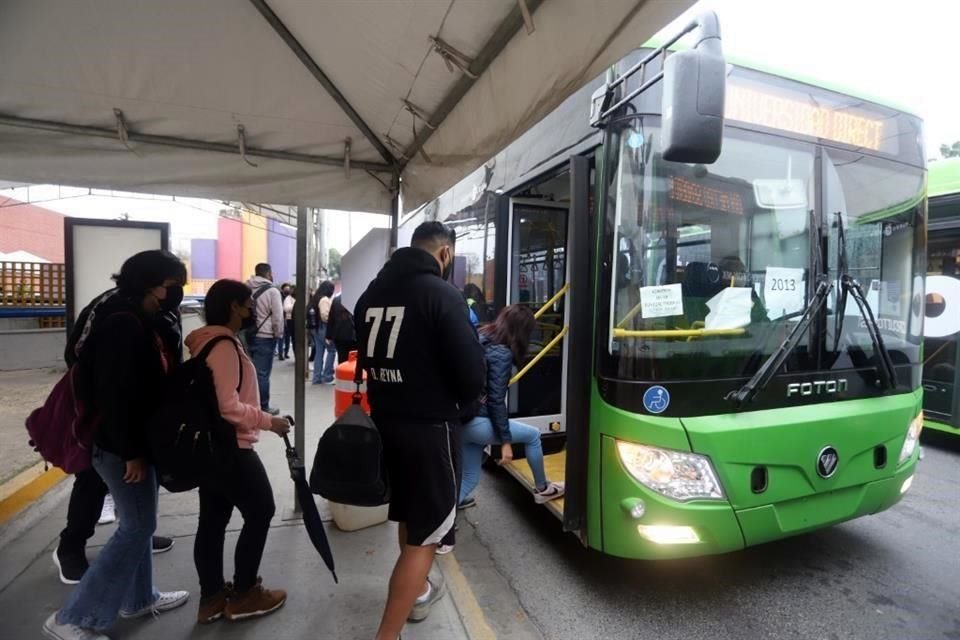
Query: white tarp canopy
150, 95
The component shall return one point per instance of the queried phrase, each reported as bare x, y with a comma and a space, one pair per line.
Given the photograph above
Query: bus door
536, 274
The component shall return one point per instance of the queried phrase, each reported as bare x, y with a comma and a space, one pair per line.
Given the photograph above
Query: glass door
536, 272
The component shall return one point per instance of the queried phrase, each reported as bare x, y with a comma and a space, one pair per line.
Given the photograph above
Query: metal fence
34, 290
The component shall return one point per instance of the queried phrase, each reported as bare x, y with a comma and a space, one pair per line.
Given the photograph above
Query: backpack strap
256, 294
207, 348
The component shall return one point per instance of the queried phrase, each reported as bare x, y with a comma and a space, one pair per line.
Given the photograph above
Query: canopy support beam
185, 143
300, 340
510, 26
322, 78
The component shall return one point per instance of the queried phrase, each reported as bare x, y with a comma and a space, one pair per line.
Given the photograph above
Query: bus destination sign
807, 118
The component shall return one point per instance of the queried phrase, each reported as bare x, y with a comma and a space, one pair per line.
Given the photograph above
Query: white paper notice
661, 301
784, 290
730, 309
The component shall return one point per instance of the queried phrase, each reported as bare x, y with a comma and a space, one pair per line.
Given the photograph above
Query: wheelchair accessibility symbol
656, 399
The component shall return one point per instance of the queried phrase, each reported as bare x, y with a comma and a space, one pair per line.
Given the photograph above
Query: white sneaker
109, 512
57, 631
444, 549
165, 602
553, 491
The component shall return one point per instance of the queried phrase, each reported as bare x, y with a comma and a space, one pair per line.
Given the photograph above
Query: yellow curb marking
466, 602
26, 488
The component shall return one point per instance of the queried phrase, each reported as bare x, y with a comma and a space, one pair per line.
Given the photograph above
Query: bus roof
797, 77
943, 178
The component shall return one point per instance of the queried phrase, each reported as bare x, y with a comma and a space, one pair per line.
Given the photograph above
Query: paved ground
517, 576
20, 393
30, 590
895, 575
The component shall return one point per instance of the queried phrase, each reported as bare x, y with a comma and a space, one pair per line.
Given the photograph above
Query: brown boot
254, 603
212, 607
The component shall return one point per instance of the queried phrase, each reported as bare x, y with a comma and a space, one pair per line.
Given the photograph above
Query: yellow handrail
549, 303
629, 315
677, 333
543, 352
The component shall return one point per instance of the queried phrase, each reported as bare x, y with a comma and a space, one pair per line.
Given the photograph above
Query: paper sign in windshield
784, 291
661, 301
730, 309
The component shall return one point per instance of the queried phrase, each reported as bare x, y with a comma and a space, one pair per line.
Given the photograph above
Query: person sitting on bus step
505, 343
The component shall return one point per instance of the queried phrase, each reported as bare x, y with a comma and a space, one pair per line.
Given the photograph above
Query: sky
906, 52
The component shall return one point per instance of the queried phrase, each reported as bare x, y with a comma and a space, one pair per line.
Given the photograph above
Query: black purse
349, 467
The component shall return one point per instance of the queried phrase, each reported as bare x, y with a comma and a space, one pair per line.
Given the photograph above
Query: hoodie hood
200, 337
405, 263
258, 281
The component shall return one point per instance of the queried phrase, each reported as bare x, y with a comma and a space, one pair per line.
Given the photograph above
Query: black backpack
349, 467
250, 333
189, 440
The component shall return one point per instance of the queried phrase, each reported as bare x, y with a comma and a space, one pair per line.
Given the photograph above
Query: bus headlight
675, 474
913, 436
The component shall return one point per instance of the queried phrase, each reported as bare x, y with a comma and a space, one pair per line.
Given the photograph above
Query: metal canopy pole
322, 78
299, 338
186, 143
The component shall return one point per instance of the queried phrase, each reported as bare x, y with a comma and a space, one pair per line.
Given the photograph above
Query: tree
333, 264
950, 151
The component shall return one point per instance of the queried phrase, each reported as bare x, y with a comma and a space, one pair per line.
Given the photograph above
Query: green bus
941, 400
729, 348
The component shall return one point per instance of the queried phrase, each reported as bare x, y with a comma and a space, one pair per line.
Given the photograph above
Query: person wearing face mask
245, 486
123, 357
423, 364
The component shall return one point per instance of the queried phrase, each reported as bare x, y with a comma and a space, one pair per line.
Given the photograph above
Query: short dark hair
432, 235
325, 289
222, 294
262, 269
148, 269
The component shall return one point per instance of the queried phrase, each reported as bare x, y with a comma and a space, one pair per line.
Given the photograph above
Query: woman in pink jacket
228, 308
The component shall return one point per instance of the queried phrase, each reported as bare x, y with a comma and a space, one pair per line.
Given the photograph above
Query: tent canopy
327, 104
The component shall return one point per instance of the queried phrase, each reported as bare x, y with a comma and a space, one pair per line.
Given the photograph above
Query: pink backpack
59, 430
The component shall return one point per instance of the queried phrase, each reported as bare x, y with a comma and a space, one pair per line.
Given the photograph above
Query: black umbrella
311, 518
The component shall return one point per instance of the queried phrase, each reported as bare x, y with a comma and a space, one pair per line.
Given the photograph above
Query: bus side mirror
694, 86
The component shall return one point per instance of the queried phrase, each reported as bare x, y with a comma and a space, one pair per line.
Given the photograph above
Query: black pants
248, 489
86, 503
344, 348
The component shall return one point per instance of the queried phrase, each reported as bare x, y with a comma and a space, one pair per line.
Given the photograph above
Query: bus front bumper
669, 529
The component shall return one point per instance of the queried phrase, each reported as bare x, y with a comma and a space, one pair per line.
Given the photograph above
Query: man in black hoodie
423, 364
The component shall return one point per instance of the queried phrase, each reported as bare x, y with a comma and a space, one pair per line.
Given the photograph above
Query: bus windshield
712, 266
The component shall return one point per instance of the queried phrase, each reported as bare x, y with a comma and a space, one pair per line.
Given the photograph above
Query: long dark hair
220, 297
512, 328
148, 269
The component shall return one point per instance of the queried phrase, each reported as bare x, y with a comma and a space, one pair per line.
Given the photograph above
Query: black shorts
423, 465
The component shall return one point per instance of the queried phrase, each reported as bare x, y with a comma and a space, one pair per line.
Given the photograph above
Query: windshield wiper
886, 373
771, 365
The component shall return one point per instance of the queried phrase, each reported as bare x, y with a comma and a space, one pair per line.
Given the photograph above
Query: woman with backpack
246, 487
341, 330
324, 351
505, 343
122, 365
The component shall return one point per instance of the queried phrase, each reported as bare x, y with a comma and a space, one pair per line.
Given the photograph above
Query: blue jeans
261, 352
121, 576
479, 432
324, 355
